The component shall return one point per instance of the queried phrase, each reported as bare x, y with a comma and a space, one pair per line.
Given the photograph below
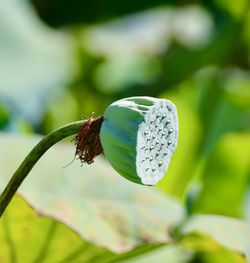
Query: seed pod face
139, 136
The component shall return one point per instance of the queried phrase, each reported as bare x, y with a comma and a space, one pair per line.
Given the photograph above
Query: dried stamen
87, 141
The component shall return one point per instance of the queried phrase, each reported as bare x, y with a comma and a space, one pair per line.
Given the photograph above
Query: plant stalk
31, 159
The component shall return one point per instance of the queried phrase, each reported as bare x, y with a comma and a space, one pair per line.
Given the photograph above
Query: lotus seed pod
139, 136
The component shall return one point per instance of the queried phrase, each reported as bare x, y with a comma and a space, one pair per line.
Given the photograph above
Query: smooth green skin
119, 133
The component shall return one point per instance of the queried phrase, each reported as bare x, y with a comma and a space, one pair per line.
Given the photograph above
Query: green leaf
225, 177
236, 9
27, 236
236, 84
170, 253
4, 116
233, 234
207, 250
94, 200
219, 111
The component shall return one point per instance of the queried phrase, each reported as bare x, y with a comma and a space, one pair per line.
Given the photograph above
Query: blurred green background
61, 60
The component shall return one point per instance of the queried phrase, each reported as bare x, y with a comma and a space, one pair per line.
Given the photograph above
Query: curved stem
31, 159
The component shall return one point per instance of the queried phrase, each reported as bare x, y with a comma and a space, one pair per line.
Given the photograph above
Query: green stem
31, 159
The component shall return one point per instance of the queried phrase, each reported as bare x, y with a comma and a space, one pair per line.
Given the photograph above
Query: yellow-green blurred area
61, 60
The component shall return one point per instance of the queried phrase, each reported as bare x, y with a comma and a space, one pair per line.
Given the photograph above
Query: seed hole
168, 121
171, 131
